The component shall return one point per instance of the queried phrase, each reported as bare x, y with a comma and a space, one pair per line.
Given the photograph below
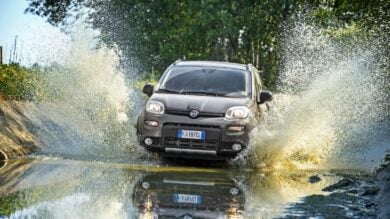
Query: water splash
89, 111
332, 105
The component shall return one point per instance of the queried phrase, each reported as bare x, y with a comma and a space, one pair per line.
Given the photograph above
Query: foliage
55, 11
160, 32
156, 33
20, 83
151, 78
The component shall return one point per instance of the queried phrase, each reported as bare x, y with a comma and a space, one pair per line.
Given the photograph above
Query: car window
206, 81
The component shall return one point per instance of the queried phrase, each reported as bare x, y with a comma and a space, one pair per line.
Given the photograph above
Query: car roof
211, 64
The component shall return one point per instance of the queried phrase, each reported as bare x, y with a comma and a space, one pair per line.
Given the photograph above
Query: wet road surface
48, 187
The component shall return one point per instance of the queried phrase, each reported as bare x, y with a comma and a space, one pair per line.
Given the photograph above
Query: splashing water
332, 105
90, 109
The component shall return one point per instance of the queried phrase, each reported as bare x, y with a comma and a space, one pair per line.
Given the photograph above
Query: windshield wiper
163, 90
203, 93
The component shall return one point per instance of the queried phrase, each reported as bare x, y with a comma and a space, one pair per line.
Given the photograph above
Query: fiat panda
202, 110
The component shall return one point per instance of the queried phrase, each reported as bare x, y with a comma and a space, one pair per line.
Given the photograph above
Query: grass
20, 83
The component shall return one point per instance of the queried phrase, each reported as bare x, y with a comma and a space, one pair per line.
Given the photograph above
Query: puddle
60, 188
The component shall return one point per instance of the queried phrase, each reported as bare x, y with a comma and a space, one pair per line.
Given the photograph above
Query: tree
158, 32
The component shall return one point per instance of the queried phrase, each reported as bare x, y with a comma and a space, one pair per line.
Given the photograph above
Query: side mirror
265, 96
148, 89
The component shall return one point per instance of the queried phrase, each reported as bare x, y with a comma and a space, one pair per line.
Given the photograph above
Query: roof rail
177, 61
248, 66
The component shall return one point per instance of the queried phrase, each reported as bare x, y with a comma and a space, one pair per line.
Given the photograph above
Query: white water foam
89, 111
332, 106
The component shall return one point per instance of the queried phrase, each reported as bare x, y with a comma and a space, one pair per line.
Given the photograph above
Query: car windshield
205, 81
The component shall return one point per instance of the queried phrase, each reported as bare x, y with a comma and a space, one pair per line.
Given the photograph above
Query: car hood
209, 104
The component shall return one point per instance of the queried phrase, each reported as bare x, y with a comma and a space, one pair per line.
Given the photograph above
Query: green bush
20, 83
150, 77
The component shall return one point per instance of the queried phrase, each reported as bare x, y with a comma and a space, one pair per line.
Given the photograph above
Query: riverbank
17, 130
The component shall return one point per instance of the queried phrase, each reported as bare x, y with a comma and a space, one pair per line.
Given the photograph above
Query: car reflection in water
188, 195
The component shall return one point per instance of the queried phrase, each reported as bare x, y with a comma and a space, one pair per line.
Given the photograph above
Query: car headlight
237, 112
155, 107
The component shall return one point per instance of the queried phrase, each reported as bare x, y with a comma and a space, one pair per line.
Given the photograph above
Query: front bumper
218, 142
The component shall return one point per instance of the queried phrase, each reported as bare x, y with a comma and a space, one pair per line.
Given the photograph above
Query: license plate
191, 134
184, 198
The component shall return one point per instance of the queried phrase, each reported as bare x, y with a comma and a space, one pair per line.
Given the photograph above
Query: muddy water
48, 187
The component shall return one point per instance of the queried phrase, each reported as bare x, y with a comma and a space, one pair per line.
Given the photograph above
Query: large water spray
332, 107
88, 111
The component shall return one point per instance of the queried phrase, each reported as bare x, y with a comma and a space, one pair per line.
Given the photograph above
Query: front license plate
191, 134
183, 198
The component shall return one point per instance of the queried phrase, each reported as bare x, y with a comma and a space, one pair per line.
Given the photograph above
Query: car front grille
190, 143
187, 113
182, 125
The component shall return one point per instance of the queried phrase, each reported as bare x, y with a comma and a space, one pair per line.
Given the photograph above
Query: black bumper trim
190, 151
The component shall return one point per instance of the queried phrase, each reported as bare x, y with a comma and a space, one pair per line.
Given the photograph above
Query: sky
32, 31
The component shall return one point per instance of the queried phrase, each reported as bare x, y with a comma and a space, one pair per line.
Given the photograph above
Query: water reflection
58, 188
188, 195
